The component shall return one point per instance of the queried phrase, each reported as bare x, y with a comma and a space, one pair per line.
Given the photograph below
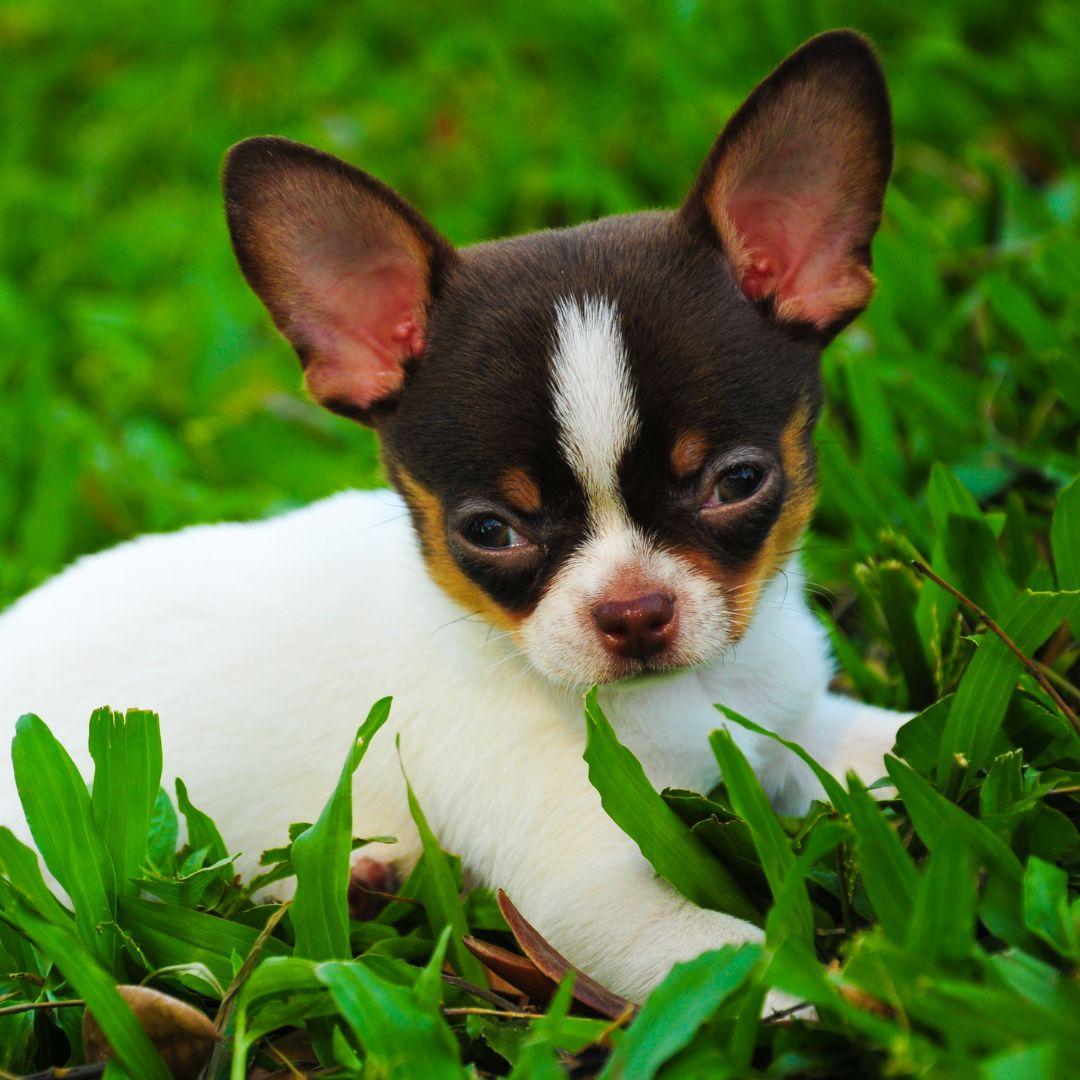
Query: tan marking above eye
521, 491
689, 453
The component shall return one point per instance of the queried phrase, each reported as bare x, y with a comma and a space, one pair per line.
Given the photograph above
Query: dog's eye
736, 484
487, 531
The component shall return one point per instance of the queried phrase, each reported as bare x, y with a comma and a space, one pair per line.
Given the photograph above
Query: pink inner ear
796, 229
359, 328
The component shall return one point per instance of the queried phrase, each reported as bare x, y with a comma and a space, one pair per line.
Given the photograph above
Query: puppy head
603, 433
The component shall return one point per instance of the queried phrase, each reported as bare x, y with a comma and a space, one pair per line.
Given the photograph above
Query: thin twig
30, 1006
1058, 680
478, 991
26, 976
285, 1060
783, 1014
77, 1072
1029, 665
245, 968
604, 1038
224, 1012
842, 883
504, 1014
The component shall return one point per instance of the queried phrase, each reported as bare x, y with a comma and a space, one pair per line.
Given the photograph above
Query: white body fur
263, 645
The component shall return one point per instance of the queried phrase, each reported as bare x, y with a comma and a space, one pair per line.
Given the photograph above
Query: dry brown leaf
554, 965
519, 972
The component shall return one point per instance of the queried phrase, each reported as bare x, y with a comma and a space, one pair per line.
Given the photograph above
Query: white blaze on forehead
594, 397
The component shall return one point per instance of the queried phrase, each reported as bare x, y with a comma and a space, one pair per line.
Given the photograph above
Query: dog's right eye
487, 531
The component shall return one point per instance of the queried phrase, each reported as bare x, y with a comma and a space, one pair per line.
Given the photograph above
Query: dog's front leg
847, 736
587, 888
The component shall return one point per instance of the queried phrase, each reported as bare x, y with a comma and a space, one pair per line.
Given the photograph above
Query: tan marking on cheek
688, 453
441, 565
520, 490
737, 586
795, 514
797, 456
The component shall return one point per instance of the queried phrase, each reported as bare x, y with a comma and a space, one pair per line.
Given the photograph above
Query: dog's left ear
793, 187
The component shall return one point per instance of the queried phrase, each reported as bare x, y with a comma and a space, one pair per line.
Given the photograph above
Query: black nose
636, 628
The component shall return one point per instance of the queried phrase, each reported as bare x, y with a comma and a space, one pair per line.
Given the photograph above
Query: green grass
141, 387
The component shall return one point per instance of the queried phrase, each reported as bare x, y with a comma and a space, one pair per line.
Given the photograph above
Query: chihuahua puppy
600, 440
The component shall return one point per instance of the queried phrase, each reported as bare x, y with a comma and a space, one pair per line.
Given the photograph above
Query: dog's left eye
491, 532
736, 484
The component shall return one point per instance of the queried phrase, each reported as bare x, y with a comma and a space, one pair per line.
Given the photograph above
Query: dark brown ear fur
793, 187
343, 264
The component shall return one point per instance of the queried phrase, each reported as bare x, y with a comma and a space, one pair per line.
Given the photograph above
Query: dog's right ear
344, 265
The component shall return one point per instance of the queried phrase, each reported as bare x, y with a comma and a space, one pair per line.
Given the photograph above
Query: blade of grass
945, 496
1065, 543
942, 924
400, 1036
281, 992
127, 774
898, 604
796, 971
870, 686
19, 864
888, 873
978, 568
832, 787
823, 841
677, 1008
201, 830
932, 815
61, 819
918, 740
539, 1058
639, 810
1047, 912
752, 804
171, 935
321, 855
441, 895
163, 834
1018, 542
875, 422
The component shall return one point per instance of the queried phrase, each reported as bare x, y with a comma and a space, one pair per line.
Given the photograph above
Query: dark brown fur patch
476, 417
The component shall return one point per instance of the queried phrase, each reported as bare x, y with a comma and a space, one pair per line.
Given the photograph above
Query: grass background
142, 387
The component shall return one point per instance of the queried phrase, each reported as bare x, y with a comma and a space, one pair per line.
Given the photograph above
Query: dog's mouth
633, 672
